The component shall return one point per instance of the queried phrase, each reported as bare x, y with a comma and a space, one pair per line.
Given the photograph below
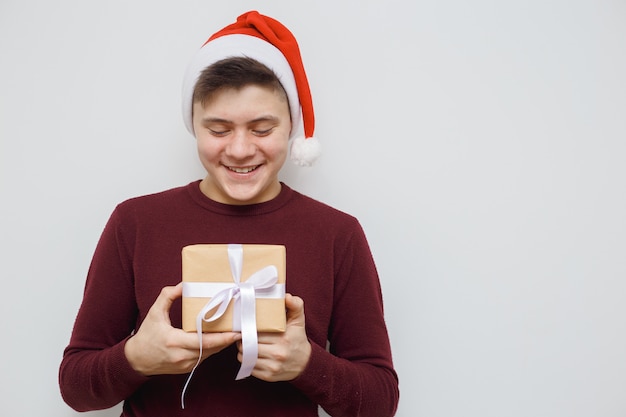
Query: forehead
226, 90
250, 100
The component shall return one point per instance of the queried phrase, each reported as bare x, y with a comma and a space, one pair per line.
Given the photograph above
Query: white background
482, 145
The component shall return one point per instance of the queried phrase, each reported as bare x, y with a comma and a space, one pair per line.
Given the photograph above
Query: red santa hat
268, 41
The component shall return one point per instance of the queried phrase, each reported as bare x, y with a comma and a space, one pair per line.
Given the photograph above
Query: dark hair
234, 73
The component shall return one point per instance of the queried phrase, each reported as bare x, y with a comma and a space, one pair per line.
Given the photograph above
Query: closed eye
262, 132
219, 133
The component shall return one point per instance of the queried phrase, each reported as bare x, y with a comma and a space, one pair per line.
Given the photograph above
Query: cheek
282, 144
206, 149
280, 149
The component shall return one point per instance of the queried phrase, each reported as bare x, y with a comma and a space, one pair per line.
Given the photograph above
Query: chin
249, 196
251, 190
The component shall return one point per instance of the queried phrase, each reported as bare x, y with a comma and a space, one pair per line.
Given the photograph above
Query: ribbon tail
222, 299
199, 333
249, 339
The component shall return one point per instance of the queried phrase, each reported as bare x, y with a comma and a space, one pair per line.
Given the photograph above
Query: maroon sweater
329, 265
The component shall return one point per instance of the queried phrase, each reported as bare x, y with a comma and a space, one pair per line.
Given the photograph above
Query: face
242, 138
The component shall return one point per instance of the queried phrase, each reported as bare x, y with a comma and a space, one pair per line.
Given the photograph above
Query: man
244, 97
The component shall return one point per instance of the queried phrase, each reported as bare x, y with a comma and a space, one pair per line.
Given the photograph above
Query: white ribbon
243, 294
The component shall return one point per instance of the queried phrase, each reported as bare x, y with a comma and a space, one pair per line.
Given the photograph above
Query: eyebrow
267, 118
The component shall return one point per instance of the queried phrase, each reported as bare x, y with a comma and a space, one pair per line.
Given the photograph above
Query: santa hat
268, 41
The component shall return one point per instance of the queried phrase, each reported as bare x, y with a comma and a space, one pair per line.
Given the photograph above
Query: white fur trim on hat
247, 46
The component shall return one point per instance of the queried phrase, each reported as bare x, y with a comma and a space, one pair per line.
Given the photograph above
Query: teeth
242, 170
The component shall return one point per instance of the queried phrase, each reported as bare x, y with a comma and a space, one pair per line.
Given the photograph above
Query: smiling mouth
243, 170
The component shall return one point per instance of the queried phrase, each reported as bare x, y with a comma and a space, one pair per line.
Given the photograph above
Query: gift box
223, 274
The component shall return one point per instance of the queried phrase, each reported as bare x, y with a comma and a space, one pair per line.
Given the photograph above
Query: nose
241, 145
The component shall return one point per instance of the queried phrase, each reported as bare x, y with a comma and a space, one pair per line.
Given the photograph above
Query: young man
243, 98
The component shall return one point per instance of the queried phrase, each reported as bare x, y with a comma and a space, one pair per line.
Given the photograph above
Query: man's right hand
158, 348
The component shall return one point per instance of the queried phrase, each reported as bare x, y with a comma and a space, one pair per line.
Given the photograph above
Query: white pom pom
305, 151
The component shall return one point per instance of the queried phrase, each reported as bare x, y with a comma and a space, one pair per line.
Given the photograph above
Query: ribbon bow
244, 316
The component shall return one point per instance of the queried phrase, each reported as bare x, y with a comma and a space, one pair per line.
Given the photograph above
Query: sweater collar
239, 210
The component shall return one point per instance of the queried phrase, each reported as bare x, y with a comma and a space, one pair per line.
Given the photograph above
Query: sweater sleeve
94, 372
355, 375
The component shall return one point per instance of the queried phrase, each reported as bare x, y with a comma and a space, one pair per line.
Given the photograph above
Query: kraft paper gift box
209, 266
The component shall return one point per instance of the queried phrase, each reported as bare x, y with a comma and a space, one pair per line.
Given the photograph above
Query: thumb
295, 309
166, 298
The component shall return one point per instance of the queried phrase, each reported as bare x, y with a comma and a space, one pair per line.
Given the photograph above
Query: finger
160, 309
217, 343
211, 342
295, 307
219, 340
268, 338
167, 296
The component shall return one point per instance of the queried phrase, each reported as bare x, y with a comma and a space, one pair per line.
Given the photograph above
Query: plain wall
482, 145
